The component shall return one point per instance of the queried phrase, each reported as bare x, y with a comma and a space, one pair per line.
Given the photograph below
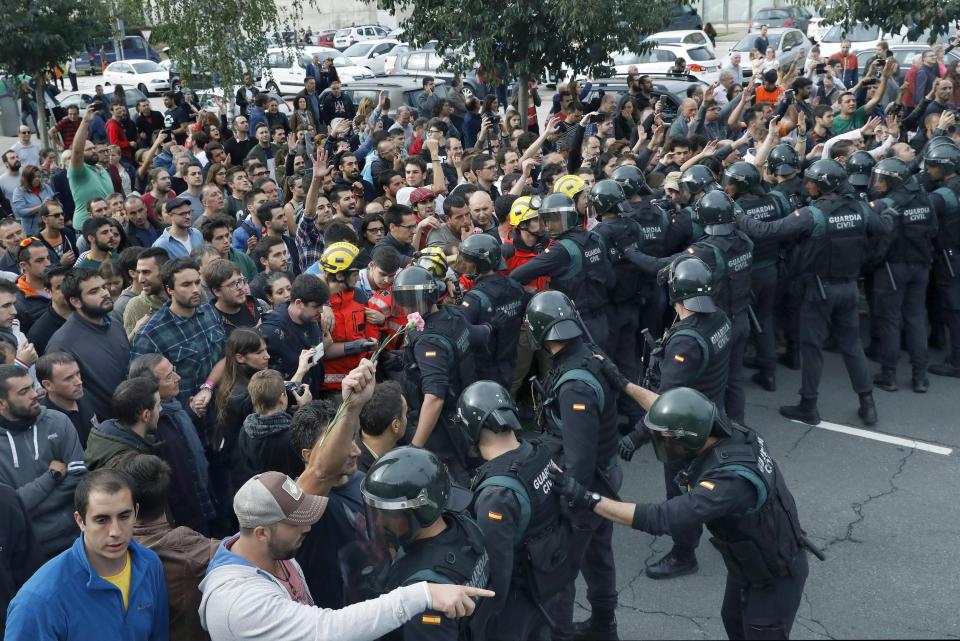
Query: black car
402, 90
683, 18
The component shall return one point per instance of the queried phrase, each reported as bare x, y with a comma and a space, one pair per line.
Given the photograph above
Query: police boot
805, 412
945, 369
766, 381
868, 409
599, 627
671, 565
920, 382
886, 380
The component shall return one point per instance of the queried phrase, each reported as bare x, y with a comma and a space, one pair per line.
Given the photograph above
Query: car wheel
272, 87
467, 92
143, 89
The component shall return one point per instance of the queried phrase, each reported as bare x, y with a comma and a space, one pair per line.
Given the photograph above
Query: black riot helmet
416, 290
698, 180
690, 282
741, 178
893, 172
408, 489
783, 160
859, 165
486, 405
681, 420
557, 214
484, 250
827, 175
551, 316
717, 213
607, 197
945, 157
631, 179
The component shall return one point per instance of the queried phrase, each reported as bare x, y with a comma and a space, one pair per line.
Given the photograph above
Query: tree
526, 38
926, 19
37, 33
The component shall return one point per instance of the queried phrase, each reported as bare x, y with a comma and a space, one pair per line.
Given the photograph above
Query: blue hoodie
67, 599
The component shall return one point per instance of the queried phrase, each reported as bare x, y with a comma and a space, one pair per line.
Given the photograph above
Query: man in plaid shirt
317, 212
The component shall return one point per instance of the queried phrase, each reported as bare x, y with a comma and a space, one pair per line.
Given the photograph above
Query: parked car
211, 99
689, 38
700, 63
402, 90
427, 62
371, 54
674, 88
324, 38
145, 75
860, 37
286, 68
349, 35
904, 55
789, 44
785, 16
815, 26
683, 17
98, 54
81, 100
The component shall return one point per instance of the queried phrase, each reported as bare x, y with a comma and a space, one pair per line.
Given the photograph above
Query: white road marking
883, 438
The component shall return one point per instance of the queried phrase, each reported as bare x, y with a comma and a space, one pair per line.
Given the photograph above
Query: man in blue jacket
106, 586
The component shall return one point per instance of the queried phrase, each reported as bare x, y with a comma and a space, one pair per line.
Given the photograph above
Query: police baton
893, 282
823, 292
817, 552
754, 320
946, 260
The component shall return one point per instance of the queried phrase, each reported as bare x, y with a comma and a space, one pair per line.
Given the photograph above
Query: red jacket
382, 301
350, 324
522, 256
117, 136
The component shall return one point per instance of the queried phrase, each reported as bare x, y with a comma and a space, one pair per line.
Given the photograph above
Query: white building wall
333, 14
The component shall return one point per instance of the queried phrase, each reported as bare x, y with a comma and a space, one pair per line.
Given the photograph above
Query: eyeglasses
238, 284
261, 174
54, 214
434, 131
375, 230
490, 168
413, 226
24, 131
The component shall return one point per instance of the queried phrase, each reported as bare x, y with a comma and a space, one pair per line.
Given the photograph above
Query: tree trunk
523, 99
40, 80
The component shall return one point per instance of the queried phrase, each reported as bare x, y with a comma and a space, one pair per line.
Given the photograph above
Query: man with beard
350, 177
180, 238
40, 457
11, 235
100, 347
136, 409
187, 331
103, 238
10, 179
151, 296
57, 313
88, 180
60, 240
459, 224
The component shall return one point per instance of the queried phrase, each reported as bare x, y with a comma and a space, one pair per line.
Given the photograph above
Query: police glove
576, 496
630, 444
610, 372
358, 346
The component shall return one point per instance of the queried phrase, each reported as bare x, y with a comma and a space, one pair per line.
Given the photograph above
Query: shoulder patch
579, 407
679, 358
431, 619
546, 251
494, 516
706, 484
430, 354
465, 303
689, 250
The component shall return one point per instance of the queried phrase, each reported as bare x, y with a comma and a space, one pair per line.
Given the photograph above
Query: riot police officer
900, 285
859, 168
580, 410
783, 166
416, 510
741, 181
495, 300
694, 182
527, 535
831, 235
734, 487
941, 164
576, 263
695, 352
438, 364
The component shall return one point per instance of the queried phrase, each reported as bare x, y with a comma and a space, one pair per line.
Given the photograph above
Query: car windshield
772, 14
747, 43
698, 54
858, 34
146, 66
342, 33
359, 49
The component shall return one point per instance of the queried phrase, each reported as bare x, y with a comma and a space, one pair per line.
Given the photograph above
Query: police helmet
484, 250
339, 257
892, 171
410, 488
743, 177
690, 282
551, 316
486, 405
945, 157
557, 214
717, 213
783, 160
416, 290
681, 420
858, 166
607, 197
827, 175
698, 180
631, 179
432, 259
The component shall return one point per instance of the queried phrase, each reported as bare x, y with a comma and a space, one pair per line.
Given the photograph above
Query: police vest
696, 228
543, 539
588, 275
350, 324
762, 543
767, 208
448, 327
793, 190
620, 234
911, 239
948, 237
838, 241
654, 222
713, 333
459, 560
501, 304
733, 266
582, 366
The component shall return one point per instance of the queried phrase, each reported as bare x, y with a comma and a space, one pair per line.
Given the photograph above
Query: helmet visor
668, 450
413, 298
557, 221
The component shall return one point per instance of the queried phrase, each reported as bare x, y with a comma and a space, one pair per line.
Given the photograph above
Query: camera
494, 119
293, 386
595, 118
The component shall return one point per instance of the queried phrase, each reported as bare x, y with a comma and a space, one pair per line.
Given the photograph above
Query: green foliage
891, 16
34, 32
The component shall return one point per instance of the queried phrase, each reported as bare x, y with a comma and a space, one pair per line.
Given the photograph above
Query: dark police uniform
528, 538
439, 361
945, 199
789, 291
831, 248
286, 339
577, 265
737, 490
582, 411
900, 296
499, 301
455, 556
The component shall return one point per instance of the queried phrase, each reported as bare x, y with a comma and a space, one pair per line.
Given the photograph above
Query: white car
285, 69
687, 39
145, 75
694, 46
371, 54
860, 37
349, 35
661, 59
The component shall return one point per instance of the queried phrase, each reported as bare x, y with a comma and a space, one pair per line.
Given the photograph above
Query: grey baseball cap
273, 497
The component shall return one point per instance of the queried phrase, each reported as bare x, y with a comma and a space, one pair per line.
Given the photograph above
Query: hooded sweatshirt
241, 601
26, 449
265, 445
109, 439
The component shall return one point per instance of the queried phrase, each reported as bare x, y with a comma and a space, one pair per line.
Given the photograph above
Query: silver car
371, 54
789, 44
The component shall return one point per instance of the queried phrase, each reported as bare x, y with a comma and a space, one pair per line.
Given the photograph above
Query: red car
324, 38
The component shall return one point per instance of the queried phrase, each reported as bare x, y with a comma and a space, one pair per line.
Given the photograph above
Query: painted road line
883, 438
